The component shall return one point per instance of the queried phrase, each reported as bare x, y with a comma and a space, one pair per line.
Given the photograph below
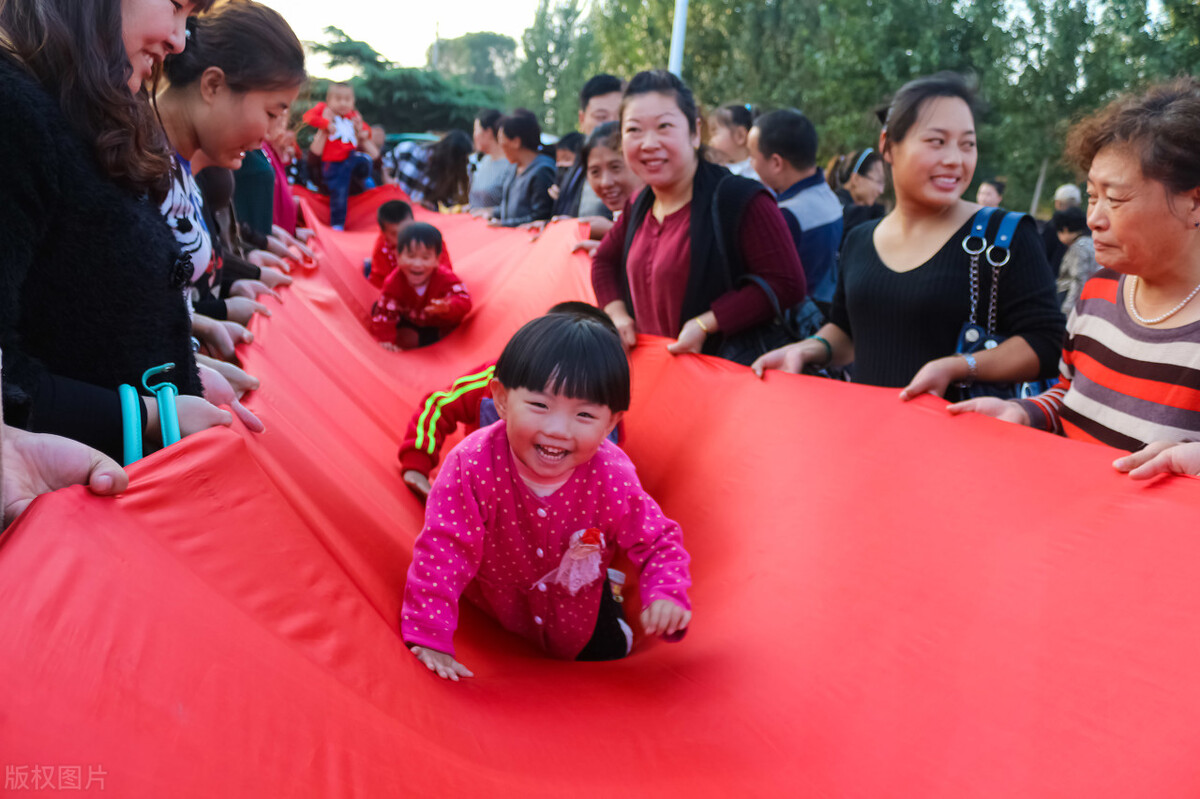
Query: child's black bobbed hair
420, 233
568, 353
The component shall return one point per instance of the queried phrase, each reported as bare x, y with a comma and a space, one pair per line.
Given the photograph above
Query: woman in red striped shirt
1130, 370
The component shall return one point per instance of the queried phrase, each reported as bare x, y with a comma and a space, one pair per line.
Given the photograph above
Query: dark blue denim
338, 175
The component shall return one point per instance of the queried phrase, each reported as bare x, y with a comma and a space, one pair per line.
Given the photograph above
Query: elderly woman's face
1135, 225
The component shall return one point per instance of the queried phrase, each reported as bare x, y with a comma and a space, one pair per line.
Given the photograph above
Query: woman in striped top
1130, 370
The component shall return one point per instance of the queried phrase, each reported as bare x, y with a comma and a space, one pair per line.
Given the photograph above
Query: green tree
1180, 33
560, 55
483, 59
1038, 64
401, 99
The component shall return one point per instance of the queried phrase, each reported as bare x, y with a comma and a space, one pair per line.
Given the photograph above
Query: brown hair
662, 82
75, 51
841, 168
905, 108
447, 170
1159, 126
734, 115
252, 44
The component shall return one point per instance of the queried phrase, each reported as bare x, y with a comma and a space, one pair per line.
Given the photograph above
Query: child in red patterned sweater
422, 299
393, 216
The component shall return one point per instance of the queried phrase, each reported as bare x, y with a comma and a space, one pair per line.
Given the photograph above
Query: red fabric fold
889, 601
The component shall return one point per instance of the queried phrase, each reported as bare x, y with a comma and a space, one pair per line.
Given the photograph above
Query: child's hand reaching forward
445, 666
418, 482
665, 618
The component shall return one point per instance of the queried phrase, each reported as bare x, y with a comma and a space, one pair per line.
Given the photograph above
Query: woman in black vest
672, 264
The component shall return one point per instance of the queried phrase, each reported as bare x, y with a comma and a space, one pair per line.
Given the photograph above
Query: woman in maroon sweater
658, 273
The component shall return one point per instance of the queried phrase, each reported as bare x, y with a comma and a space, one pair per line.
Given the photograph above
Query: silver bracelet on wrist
972, 369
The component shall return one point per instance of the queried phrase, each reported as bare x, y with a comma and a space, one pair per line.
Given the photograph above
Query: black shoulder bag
975, 337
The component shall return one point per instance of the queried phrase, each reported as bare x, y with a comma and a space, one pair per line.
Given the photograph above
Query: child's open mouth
550, 453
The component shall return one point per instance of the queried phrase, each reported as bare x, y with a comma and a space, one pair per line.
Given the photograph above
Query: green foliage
560, 55
484, 59
401, 99
1038, 63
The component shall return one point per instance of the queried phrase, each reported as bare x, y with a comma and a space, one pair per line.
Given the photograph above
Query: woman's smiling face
150, 29
934, 163
659, 142
239, 121
610, 177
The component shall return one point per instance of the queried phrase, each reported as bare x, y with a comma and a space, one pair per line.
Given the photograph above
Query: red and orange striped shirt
1120, 383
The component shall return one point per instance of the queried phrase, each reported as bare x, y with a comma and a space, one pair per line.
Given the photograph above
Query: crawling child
466, 401
422, 298
526, 515
393, 216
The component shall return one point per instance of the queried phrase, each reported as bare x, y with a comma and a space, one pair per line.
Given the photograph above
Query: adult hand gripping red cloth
889, 601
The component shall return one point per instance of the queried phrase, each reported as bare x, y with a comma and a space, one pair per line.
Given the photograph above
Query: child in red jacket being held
422, 300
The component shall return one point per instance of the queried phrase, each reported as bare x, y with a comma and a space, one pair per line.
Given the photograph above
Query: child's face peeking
340, 100
419, 263
729, 143
391, 232
551, 434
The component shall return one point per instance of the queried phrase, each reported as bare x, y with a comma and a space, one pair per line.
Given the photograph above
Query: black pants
608, 642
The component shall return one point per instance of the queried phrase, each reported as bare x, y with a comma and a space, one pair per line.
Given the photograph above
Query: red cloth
767, 250
443, 305
889, 601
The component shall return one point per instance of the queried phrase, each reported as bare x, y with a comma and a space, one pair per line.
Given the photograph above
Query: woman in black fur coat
90, 275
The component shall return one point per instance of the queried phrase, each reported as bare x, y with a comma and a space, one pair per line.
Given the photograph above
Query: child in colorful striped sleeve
466, 401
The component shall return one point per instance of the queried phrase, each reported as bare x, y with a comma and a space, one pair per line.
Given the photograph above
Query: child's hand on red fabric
663, 617
445, 666
419, 483
437, 307
390, 347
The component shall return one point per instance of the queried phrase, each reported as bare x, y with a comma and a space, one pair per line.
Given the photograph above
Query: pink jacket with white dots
488, 536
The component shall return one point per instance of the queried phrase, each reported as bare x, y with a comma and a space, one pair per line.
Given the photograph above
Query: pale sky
403, 31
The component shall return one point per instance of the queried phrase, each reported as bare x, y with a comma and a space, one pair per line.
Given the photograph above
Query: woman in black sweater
90, 275
904, 289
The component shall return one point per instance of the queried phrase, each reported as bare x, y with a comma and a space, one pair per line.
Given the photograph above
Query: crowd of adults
146, 213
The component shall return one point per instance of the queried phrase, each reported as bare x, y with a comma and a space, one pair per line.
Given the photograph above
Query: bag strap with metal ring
1004, 237
978, 232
